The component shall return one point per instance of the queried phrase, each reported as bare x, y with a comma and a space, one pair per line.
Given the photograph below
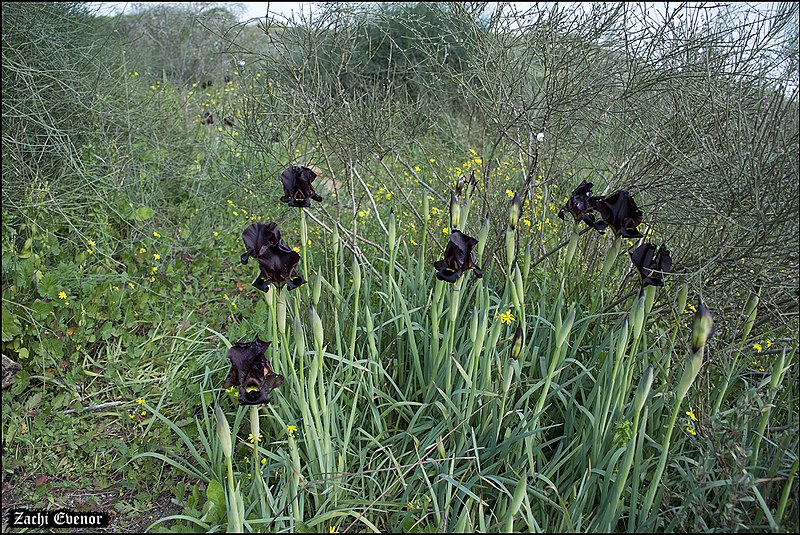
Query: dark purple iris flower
457, 258
277, 261
252, 372
581, 205
652, 262
297, 187
620, 212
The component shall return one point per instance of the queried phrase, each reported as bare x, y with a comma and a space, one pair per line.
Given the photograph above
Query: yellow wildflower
691, 415
758, 347
156, 234
156, 256
62, 295
506, 317
691, 431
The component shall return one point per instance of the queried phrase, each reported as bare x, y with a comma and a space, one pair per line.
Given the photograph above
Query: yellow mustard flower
758, 347
140, 401
691, 431
92, 243
691, 415
156, 234
506, 317
156, 256
62, 295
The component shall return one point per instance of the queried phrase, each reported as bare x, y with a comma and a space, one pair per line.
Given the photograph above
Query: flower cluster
619, 211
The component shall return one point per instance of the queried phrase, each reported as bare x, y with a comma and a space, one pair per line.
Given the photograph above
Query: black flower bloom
457, 258
297, 187
277, 261
652, 262
252, 372
580, 204
620, 212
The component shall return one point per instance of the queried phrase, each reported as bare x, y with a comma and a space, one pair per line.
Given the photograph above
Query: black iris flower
620, 212
297, 187
252, 372
457, 258
581, 205
652, 262
277, 261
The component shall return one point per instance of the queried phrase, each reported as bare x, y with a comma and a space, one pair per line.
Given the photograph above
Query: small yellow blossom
142, 250
254, 440
758, 347
156, 234
506, 317
140, 401
143, 413
263, 461
131, 416
509, 193
216, 233
691, 431
691, 415
89, 251
230, 390
225, 297
92, 243
156, 256
130, 284
291, 429
296, 249
769, 343
152, 279
62, 295
236, 213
